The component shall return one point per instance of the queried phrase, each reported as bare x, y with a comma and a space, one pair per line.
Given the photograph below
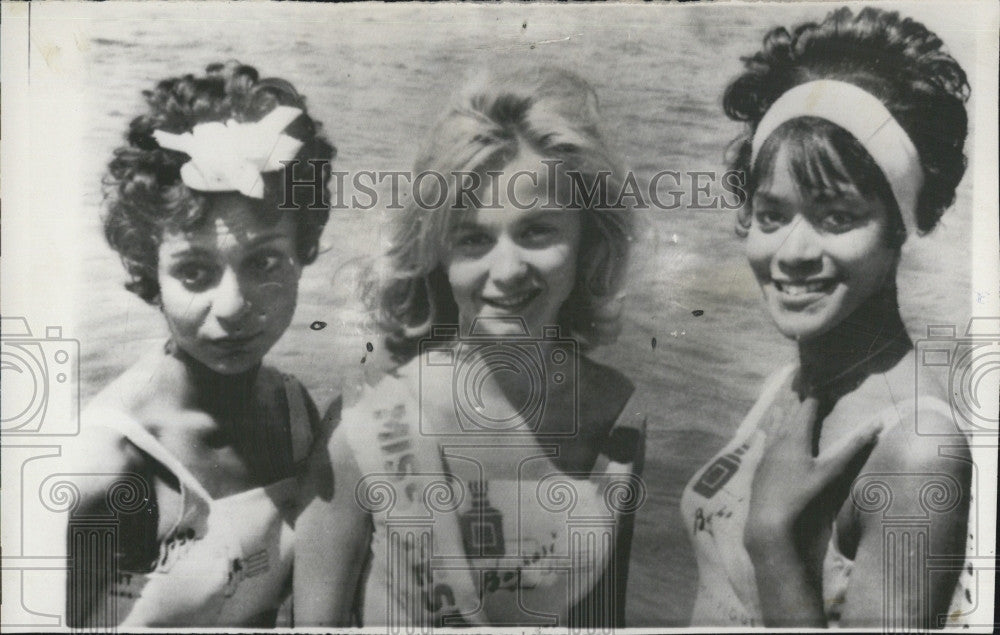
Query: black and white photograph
514, 317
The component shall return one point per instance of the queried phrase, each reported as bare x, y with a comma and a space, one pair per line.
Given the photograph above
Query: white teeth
801, 288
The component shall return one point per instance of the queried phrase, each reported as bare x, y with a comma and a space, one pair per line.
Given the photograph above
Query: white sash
556, 539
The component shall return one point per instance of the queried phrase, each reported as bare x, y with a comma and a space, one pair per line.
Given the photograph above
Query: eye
265, 263
838, 220
195, 276
539, 233
469, 242
768, 219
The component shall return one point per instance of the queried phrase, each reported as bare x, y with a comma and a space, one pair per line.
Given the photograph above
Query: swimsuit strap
195, 501
621, 445
632, 414
299, 422
768, 395
143, 439
193, 493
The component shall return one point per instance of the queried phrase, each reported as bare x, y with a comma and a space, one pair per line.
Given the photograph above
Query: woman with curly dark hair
853, 146
207, 440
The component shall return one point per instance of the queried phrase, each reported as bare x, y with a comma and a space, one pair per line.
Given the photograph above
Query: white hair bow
232, 156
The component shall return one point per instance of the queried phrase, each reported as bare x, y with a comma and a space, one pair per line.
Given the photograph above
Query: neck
870, 340
224, 397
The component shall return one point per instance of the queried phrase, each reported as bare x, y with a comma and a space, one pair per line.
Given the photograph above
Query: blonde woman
462, 478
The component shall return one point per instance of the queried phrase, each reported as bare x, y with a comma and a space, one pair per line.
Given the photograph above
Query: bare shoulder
916, 472
919, 463
142, 386
918, 440
922, 460
102, 456
358, 419
919, 428
100, 459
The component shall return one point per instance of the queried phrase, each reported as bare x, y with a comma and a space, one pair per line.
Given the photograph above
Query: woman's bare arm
332, 536
891, 587
99, 462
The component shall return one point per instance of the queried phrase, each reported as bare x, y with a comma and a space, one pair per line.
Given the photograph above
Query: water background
377, 77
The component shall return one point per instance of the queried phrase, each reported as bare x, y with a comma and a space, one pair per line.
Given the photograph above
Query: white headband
864, 116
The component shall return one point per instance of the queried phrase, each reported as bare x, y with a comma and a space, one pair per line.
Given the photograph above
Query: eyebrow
466, 225
764, 197
821, 197
198, 250
536, 213
190, 251
266, 238
529, 216
827, 196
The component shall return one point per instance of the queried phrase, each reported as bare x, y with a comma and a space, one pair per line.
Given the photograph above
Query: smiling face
511, 262
817, 258
228, 288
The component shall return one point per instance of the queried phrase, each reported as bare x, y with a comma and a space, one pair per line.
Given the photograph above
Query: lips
230, 343
805, 287
512, 301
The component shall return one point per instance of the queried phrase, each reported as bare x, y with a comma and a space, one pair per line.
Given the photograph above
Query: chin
803, 324
233, 364
802, 327
233, 367
238, 369
796, 332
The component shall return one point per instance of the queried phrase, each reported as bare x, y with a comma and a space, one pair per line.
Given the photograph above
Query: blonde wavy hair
555, 113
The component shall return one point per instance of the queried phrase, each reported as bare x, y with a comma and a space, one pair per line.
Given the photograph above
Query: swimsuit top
226, 561
715, 505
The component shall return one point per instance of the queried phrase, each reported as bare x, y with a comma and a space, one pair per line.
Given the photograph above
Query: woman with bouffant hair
143, 189
853, 147
208, 440
495, 420
556, 114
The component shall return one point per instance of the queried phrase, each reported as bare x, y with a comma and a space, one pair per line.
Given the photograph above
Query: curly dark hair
895, 59
143, 191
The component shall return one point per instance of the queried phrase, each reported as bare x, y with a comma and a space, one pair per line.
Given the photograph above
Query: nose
230, 305
507, 264
800, 252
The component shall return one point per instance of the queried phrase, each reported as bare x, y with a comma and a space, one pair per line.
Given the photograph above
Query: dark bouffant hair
143, 191
895, 59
